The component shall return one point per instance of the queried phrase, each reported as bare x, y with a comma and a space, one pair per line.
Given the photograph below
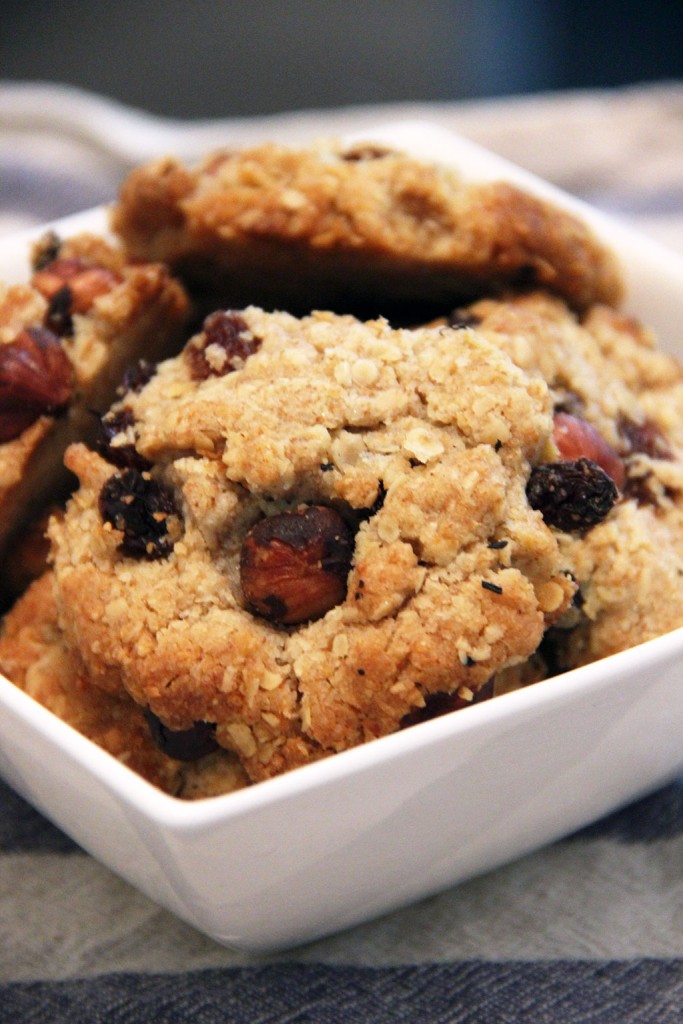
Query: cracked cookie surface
418, 442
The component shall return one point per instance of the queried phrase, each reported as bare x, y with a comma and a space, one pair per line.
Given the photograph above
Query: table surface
589, 929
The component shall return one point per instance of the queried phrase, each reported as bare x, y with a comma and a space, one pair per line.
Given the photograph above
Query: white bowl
366, 831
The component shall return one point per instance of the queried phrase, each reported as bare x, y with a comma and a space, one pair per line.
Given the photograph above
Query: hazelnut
572, 495
294, 566
576, 438
72, 285
36, 377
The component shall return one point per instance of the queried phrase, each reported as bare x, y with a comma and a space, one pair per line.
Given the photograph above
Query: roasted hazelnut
36, 378
294, 566
576, 438
70, 286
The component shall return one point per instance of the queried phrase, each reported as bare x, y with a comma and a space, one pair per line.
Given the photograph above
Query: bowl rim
185, 816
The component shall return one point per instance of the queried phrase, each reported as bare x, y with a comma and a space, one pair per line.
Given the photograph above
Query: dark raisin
59, 316
46, 250
573, 495
437, 704
125, 456
135, 504
231, 341
644, 438
136, 377
182, 744
552, 651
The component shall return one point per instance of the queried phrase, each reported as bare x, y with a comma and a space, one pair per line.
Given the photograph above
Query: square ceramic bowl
368, 830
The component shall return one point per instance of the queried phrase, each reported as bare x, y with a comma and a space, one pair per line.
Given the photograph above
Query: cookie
617, 401
305, 530
65, 340
362, 230
33, 655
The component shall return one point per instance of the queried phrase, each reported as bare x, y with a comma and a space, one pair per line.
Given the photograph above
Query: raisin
125, 456
136, 377
437, 704
573, 495
230, 341
135, 504
46, 251
644, 438
59, 312
182, 744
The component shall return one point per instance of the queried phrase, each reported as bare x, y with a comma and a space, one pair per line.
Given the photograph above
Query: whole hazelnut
85, 281
294, 565
36, 378
576, 438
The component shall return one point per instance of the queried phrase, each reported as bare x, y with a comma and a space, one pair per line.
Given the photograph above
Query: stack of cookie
407, 455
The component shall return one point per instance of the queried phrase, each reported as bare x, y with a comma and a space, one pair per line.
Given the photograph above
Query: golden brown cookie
33, 656
66, 339
617, 401
305, 529
366, 230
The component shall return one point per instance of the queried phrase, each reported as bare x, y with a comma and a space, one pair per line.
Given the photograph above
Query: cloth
589, 929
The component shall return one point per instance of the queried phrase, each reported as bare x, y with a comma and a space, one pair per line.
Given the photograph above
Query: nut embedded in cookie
294, 566
355, 536
65, 341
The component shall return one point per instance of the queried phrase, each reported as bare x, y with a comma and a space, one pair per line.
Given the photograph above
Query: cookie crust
143, 314
367, 231
34, 657
421, 439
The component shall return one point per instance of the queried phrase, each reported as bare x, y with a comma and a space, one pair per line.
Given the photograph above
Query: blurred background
227, 59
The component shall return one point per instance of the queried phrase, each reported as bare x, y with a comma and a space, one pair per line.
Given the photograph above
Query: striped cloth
589, 930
